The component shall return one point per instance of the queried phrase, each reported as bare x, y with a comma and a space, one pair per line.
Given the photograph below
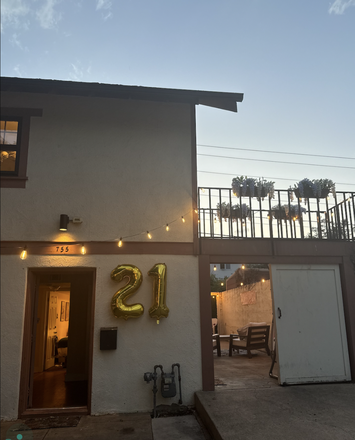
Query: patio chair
256, 338
216, 343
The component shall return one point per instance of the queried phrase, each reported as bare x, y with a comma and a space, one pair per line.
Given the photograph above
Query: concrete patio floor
248, 404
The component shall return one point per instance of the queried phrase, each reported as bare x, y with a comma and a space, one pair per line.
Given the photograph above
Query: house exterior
119, 163
115, 167
223, 270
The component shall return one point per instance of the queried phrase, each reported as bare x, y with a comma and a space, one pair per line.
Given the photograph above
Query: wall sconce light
63, 222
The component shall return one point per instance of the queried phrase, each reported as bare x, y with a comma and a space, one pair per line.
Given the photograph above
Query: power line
276, 161
277, 152
267, 177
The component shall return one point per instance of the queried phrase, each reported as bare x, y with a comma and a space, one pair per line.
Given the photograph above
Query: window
222, 266
14, 143
10, 142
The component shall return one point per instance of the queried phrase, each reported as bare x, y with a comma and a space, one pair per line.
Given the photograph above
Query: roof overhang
222, 100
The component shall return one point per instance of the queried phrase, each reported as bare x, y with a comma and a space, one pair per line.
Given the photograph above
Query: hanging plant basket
237, 212
309, 194
286, 212
248, 187
313, 189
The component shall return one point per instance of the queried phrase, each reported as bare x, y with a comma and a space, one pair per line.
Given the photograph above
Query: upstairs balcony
224, 215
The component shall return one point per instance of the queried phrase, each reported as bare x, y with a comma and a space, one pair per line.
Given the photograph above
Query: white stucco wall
117, 382
123, 166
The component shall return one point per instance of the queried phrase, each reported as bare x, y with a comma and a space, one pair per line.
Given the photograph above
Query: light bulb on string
83, 250
182, 219
23, 254
215, 268
149, 235
196, 211
120, 243
167, 228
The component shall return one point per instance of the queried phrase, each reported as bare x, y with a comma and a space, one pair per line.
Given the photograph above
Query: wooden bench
257, 338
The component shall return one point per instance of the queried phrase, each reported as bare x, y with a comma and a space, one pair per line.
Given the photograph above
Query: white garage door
310, 326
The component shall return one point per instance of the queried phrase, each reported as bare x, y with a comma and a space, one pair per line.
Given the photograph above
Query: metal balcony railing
224, 215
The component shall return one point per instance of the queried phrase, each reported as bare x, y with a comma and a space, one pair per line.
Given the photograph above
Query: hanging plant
247, 186
313, 189
224, 211
285, 212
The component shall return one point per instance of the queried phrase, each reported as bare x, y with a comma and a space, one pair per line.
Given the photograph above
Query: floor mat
53, 422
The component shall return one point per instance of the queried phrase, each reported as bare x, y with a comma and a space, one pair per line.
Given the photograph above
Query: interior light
167, 227
23, 255
63, 222
120, 243
149, 235
83, 250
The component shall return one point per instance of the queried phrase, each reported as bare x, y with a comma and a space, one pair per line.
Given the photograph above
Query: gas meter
168, 386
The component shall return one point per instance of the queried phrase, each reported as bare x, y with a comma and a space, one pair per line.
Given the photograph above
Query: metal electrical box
108, 338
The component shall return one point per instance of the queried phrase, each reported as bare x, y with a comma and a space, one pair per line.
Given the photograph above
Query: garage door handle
279, 312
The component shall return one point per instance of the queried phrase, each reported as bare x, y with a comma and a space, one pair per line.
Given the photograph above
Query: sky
294, 61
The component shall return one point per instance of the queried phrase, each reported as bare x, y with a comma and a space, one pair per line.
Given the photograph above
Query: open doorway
302, 304
245, 301
59, 320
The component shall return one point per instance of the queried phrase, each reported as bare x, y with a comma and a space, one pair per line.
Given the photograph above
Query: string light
241, 284
215, 268
263, 281
243, 267
23, 255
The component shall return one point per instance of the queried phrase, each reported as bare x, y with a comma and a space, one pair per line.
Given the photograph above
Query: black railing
224, 215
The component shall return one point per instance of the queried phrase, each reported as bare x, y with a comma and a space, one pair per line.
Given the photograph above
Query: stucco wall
232, 314
123, 166
117, 383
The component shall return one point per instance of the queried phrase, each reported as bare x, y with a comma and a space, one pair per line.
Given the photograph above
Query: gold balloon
159, 308
118, 304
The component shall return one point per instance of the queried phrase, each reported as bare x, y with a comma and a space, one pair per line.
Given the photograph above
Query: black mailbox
108, 338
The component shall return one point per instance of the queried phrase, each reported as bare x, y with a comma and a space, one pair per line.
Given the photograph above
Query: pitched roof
222, 100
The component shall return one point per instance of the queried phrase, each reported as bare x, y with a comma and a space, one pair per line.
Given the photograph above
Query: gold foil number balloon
159, 308
118, 304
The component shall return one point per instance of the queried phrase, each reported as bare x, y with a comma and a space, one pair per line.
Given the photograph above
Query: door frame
29, 339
